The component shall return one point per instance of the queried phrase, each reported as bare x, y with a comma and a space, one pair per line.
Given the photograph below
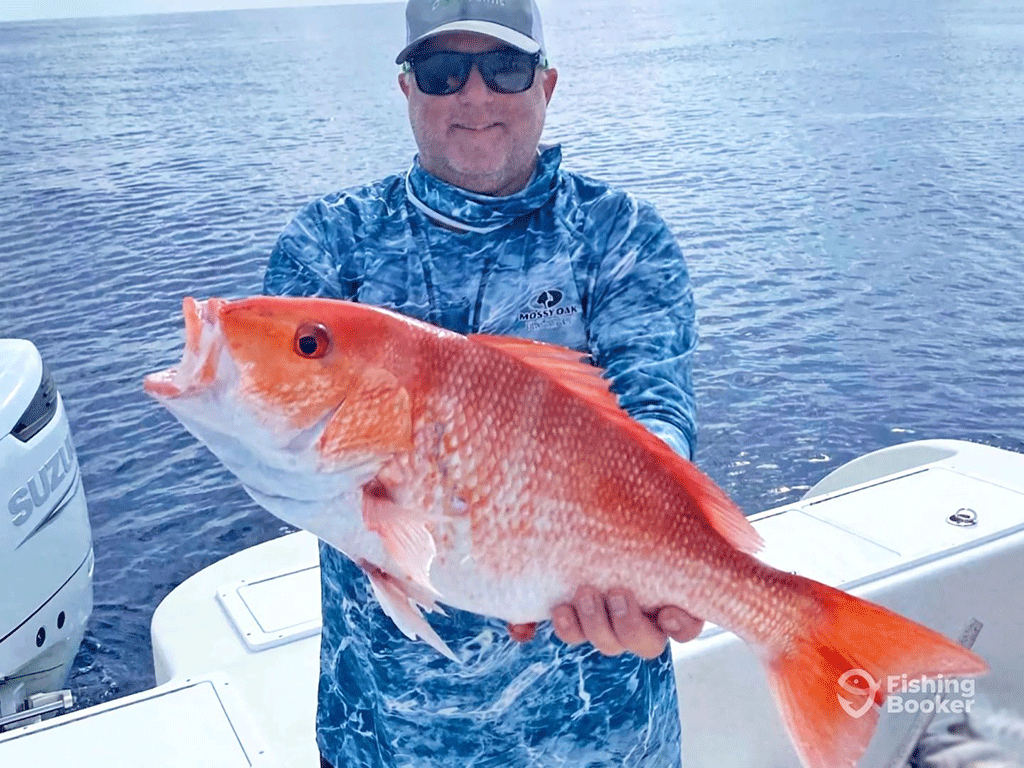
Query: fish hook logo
859, 683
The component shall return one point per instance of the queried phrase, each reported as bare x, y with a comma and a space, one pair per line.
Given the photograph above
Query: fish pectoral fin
404, 533
396, 600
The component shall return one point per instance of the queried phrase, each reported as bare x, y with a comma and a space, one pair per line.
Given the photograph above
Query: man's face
478, 139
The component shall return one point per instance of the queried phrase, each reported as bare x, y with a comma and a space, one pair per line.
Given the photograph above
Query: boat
933, 529
46, 554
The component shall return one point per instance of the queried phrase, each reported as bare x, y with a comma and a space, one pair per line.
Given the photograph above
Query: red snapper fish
497, 475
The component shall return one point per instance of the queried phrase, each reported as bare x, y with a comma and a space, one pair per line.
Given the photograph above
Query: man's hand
614, 623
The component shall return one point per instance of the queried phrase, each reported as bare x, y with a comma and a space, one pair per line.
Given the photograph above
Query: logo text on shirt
550, 314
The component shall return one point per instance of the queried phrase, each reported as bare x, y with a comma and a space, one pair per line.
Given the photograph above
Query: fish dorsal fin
565, 368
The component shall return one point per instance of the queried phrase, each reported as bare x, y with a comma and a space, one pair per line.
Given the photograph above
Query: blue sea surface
845, 179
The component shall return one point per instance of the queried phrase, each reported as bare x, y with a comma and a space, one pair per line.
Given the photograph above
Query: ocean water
845, 179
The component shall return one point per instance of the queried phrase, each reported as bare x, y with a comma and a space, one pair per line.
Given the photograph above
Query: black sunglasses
506, 70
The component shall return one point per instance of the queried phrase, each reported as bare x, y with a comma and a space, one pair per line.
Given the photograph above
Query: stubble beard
496, 177
496, 181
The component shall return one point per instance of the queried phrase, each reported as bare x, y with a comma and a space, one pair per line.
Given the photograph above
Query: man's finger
636, 632
678, 624
593, 617
566, 626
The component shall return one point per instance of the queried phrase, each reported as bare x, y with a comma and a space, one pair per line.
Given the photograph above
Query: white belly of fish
519, 595
512, 598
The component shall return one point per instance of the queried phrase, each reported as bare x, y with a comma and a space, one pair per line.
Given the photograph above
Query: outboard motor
46, 556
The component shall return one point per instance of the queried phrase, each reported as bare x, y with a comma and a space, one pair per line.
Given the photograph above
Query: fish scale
498, 475
510, 438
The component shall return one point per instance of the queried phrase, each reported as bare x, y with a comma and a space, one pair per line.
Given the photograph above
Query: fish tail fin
832, 677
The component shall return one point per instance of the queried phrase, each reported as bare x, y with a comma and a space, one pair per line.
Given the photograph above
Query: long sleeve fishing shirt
567, 260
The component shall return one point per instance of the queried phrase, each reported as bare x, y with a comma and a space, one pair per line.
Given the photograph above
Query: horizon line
60, 13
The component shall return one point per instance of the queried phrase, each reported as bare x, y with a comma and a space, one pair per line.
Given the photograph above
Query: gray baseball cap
516, 22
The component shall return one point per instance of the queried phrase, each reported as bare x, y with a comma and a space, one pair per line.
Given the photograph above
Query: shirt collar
472, 212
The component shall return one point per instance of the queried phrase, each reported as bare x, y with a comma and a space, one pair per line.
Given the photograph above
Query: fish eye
312, 341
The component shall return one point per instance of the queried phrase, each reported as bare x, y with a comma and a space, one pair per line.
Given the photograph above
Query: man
485, 233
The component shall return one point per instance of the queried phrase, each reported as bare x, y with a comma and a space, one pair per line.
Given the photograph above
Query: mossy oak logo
547, 310
548, 299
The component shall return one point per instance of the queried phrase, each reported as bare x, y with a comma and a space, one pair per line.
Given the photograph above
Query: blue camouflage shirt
567, 260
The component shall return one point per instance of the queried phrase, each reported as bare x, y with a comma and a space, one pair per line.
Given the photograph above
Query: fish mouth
203, 346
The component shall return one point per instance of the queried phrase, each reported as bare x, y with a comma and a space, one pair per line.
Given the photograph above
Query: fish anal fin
831, 678
396, 601
565, 368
